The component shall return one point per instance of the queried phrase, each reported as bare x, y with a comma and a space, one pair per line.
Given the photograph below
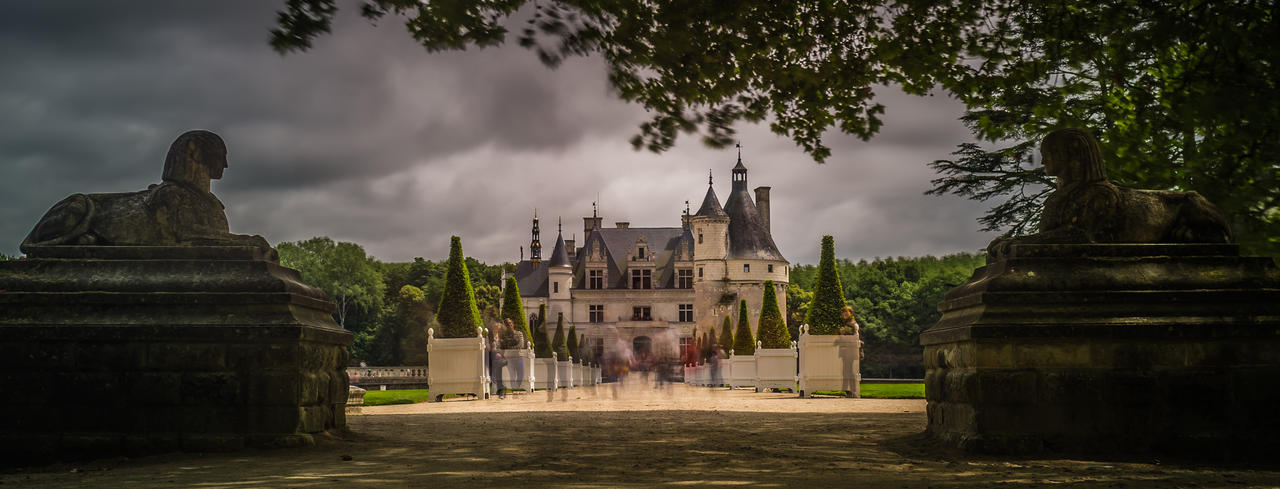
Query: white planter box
776, 368
829, 363
578, 374
519, 372
702, 375
546, 373
458, 366
688, 375
744, 371
565, 369
599, 375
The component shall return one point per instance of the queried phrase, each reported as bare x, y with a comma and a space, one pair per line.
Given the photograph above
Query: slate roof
532, 281
711, 205
616, 243
748, 238
560, 256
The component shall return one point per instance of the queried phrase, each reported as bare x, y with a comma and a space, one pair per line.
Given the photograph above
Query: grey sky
369, 138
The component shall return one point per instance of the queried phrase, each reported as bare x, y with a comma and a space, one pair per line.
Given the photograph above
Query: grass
893, 391
405, 396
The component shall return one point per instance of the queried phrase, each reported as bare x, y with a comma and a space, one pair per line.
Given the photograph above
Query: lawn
893, 391
405, 396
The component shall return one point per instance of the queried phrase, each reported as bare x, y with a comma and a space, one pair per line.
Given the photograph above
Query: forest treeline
389, 306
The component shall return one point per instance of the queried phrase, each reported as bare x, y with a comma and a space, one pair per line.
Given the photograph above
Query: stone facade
635, 286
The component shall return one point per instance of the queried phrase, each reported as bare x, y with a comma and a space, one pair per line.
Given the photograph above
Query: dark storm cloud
368, 138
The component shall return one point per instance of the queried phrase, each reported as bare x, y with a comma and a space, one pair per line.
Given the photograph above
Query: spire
709, 182
711, 203
739, 172
559, 254
535, 245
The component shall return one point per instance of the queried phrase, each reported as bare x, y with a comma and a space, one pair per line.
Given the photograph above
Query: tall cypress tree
541, 344
726, 336
772, 330
513, 309
828, 295
557, 343
743, 342
457, 312
573, 343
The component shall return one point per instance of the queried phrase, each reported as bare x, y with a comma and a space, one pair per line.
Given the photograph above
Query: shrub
541, 344
573, 343
457, 313
772, 330
513, 309
726, 336
743, 342
825, 310
557, 343
711, 343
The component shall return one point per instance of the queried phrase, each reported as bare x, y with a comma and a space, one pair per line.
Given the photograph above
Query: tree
743, 342
541, 342
341, 270
573, 343
457, 313
712, 342
771, 329
557, 343
828, 295
1168, 85
513, 309
726, 335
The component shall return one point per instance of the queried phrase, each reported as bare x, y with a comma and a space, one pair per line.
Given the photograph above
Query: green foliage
1177, 91
771, 329
400, 396
828, 295
341, 270
572, 344
892, 391
541, 342
4, 257
726, 335
743, 342
558, 343
513, 309
457, 313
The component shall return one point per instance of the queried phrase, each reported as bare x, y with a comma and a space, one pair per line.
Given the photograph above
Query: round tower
559, 279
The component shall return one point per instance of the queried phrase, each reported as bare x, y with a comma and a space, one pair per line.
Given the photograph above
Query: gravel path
585, 437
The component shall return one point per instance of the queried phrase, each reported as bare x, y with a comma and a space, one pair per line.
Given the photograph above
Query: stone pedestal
109, 350
1109, 349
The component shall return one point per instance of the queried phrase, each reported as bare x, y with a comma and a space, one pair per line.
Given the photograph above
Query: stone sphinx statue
1087, 208
180, 211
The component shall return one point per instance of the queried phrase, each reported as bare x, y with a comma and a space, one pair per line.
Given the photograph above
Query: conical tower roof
748, 237
711, 204
559, 255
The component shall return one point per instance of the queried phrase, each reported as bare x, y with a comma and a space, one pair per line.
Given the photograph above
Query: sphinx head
1072, 155
195, 158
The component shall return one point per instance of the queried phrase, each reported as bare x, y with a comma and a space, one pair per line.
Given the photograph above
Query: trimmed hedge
573, 343
824, 316
541, 344
772, 330
513, 309
743, 342
726, 336
557, 343
457, 312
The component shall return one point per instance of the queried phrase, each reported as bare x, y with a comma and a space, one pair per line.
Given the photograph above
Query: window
555, 287
642, 279
770, 268
686, 313
595, 279
685, 279
595, 313
699, 272
699, 237
640, 313
746, 268
640, 253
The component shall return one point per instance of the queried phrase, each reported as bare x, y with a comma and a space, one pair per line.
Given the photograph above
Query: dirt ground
587, 437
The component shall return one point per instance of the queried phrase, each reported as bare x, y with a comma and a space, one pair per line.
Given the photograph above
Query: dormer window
640, 252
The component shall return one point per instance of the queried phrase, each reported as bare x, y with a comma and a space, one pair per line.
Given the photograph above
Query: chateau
648, 287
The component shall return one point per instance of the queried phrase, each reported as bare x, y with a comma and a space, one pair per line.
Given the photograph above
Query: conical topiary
772, 330
557, 343
743, 342
583, 348
457, 313
573, 343
828, 295
726, 336
513, 309
711, 343
706, 348
541, 343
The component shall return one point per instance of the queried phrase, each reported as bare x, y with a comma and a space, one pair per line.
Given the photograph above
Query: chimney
623, 224
762, 205
590, 224
568, 246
